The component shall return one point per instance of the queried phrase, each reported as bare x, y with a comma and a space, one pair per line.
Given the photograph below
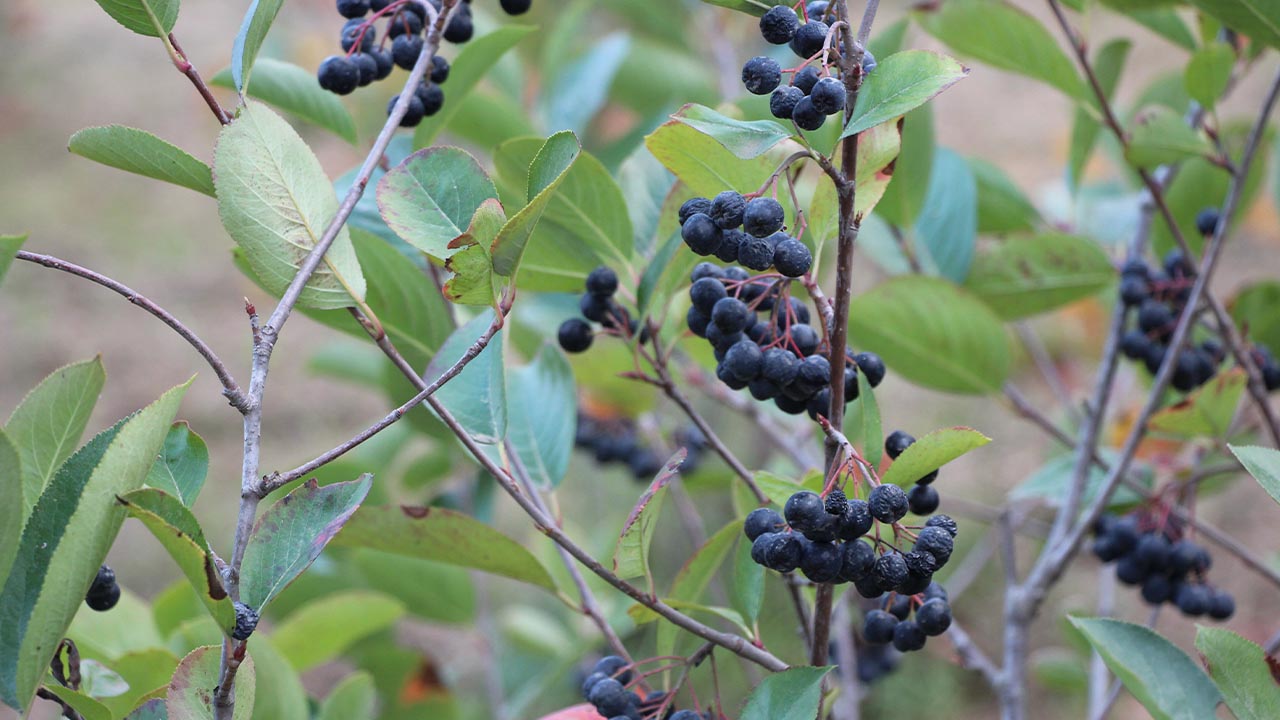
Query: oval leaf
444, 536
1208, 411
792, 694
182, 466
933, 334
694, 577
901, 83
1209, 73
1002, 208
140, 152
275, 202
322, 630
429, 199
253, 30
931, 452
744, 138
1263, 464
1159, 675
1160, 136
191, 690
289, 536
1242, 671
947, 226
296, 91
1030, 275
542, 403
154, 18
546, 173
354, 697
477, 396
631, 554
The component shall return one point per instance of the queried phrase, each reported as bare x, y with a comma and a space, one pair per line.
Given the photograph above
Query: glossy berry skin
1221, 605
782, 103
806, 116
805, 338
908, 637
701, 234
1207, 221
783, 551
338, 75
871, 366
857, 560
1192, 599
822, 561
515, 7
602, 282
431, 96
806, 78
385, 63
761, 75
888, 503
104, 593
780, 366
413, 114
792, 258
356, 31
934, 617
743, 359
460, 29
868, 62
591, 681
705, 293
609, 697
763, 216
923, 499
828, 96
727, 209
761, 521
246, 621
353, 8
404, 23
575, 335
878, 627
805, 510
366, 68
731, 315
809, 38
611, 665
855, 521
405, 50
779, 25
439, 69
897, 442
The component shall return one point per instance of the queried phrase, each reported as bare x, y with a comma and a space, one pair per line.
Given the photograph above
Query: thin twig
185, 67
229, 387
972, 657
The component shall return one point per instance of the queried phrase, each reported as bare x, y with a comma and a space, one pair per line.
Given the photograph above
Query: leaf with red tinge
191, 689
631, 556
290, 535
1242, 671
1207, 412
473, 281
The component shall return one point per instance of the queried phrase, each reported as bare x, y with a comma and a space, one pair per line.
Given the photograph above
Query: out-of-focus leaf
295, 91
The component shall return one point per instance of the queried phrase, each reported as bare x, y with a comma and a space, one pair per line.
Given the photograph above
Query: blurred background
69, 66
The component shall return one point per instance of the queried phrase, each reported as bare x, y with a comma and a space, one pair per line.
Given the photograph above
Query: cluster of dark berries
607, 689
1149, 552
748, 232
598, 306
908, 621
821, 537
813, 93
104, 593
875, 662
763, 341
923, 498
616, 441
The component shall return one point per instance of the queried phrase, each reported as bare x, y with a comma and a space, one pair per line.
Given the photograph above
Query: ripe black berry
404, 23
780, 366
731, 315
934, 617
357, 31
705, 293
413, 114
792, 258
755, 253
908, 637
1221, 605
591, 681
897, 442
868, 62
936, 541
246, 621
701, 234
945, 522
809, 38
353, 8
405, 50
611, 666
609, 697
779, 25
575, 335
821, 561
1157, 589
806, 116
828, 96
104, 593
693, 206
923, 499
742, 360
782, 551
878, 627
602, 282
1155, 317
806, 78
855, 521
431, 96
805, 338
1134, 290
382, 56
890, 570
858, 559
516, 7
439, 69
460, 28
761, 521
1134, 345
1207, 221
761, 75
888, 504
1192, 599
339, 75
763, 216
782, 103
805, 510
727, 209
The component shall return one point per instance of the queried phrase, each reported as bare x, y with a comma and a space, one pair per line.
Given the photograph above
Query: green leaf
904, 196
66, 539
1159, 675
585, 225
275, 202
932, 451
351, 699
1160, 136
1258, 19
182, 466
12, 515
1263, 464
147, 674
429, 590
1029, 275
140, 152
933, 334
753, 7
703, 164
1167, 23
1004, 37
862, 424
1207, 412
180, 534
1209, 73
631, 554
47, 425
476, 396
153, 18
470, 66
745, 139
280, 695
295, 91
1242, 672
444, 536
546, 173
578, 91
792, 694
253, 30
645, 184
154, 709
878, 150
9, 247
429, 199
290, 535
1002, 208
947, 225
1253, 309
746, 594
1107, 65
901, 83
126, 628
1051, 481
695, 575
322, 630
88, 707
473, 281
542, 402
775, 487
191, 690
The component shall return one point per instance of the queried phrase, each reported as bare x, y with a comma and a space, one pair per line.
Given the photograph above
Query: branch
229, 387
972, 657
185, 67
752, 411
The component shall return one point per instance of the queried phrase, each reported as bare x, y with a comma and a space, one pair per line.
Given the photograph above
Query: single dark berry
1155, 317
1221, 605
858, 559
1134, 344
609, 697
809, 38
763, 216
878, 627
701, 234
591, 681
515, 7
1134, 290
593, 308
780, 366
817, 8
868, 62
731, 242
806, 78
799, 313
103, 600
358, 31
782, 103
574, 335
908, 637
405, 50
805, 338
1124, 533
936, 541
731, 315
727, 209
792, 258
888, 503
1207, 221
934, 617
871, 366
1176, 265
382, 56
761, 75
761, 521
460, 28
921, 563
1104, 549
1157, 589
779, 25
1153, 551
820, 404
431, 96
805, 510
755, 253
814, 372
806, 116
897, 442
945, 522
705, 269
353, 8
743, 360
366, 67
721, 340
612, 666
923, 499
692, 207
439, 69
1192, 599
413, 114
338, 75
898, 605
705, 293
890, 570
246, 621
855, 521
602, 281
828, 96
1130, 570
782, 551
404, 23
821, 562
